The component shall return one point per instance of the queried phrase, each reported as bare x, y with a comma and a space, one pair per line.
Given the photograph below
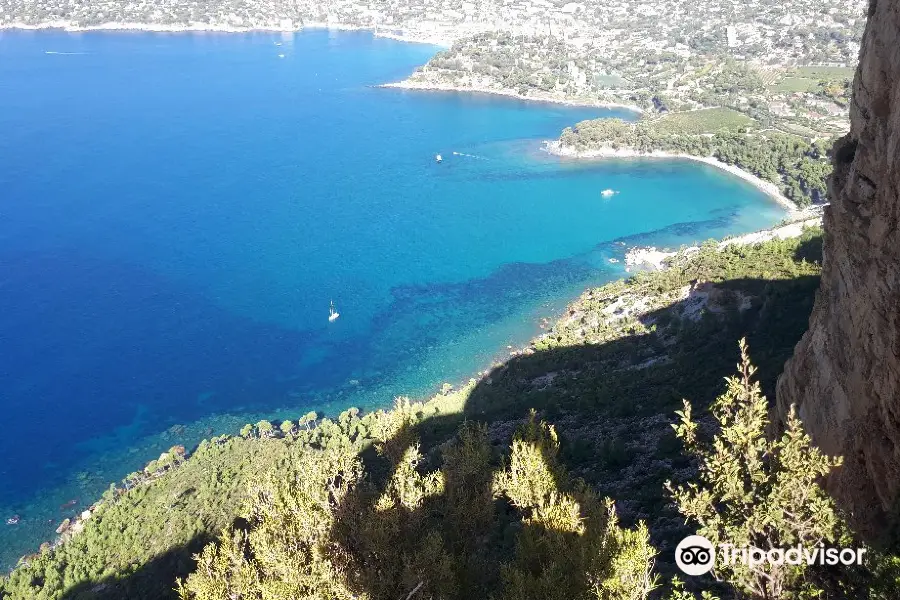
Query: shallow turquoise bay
177, 212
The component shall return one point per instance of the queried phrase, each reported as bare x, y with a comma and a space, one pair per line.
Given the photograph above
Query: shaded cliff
845, 373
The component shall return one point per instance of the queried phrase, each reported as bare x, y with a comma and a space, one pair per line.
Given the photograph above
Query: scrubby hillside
607, 377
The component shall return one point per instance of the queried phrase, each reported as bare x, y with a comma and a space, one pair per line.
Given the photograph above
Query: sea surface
177, 211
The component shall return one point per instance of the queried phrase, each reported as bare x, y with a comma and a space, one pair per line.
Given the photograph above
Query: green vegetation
830, 84
825, 72
321, 529
755, 492
795, 84
798, 167
506, 64
150, 525
611, 81
469, 493
707, 120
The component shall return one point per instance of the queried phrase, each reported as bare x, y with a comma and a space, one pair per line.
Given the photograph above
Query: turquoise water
177, 212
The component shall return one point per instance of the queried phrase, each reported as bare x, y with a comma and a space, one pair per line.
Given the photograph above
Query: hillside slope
608, 376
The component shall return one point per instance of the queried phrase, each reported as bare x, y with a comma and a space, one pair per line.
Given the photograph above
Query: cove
178, 211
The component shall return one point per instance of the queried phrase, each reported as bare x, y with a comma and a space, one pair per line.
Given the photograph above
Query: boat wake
470, 155
64, 53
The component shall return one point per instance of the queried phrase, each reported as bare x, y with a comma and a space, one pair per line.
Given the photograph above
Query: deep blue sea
177, 211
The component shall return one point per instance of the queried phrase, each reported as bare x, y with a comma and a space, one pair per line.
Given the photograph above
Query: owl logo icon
695, 555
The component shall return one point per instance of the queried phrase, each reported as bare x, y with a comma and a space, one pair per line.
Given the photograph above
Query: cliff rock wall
845, 373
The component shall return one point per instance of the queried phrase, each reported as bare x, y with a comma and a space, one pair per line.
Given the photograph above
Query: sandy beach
554, 147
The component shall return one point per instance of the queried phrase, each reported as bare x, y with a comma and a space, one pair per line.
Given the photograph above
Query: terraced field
707, 120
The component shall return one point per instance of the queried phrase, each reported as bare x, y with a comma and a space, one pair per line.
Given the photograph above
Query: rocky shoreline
655, 259
409, 84
556, 148
636, 258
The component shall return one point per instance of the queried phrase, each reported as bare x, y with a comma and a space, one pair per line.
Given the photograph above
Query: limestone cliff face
845, 373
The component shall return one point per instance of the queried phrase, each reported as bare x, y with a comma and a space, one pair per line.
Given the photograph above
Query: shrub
753, 492
319, 528
571, 545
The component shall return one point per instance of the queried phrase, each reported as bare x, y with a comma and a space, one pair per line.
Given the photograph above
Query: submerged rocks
64, 526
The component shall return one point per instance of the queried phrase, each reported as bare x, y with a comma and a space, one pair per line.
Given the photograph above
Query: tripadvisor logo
696, 555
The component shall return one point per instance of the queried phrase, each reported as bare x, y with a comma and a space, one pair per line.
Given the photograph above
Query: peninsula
774, 78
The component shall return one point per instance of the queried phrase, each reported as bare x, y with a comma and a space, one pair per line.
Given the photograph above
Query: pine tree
753, 492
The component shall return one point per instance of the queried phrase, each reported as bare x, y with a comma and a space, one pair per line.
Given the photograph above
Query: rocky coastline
410, 84
636, 256
656, 259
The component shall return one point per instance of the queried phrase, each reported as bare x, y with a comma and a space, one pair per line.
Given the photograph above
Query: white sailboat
332, 314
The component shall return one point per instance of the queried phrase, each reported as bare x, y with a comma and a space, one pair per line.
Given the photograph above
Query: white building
731, 34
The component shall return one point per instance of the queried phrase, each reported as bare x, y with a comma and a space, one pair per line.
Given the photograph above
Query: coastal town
819, 31
757, 70
784, 67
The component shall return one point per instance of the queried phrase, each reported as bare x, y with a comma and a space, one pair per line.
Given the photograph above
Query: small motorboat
332, 314
608, 193
438, 158
13, 520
